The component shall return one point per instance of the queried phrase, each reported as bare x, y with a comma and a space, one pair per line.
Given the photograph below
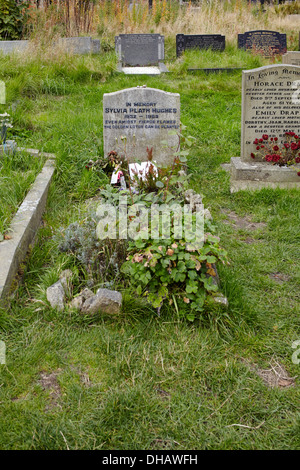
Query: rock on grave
144, 116
56, 296
105, 300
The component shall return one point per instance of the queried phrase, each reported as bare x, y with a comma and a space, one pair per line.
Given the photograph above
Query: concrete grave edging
24, 226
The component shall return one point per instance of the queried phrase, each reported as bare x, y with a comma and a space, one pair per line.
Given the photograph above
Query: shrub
13, 16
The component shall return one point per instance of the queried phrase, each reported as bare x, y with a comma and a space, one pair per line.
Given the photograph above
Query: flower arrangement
4, 125
285, 154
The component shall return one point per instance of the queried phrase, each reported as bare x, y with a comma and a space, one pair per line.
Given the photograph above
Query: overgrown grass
17, 173
137, 381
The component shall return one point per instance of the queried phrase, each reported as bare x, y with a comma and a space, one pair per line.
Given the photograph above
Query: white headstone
137, 118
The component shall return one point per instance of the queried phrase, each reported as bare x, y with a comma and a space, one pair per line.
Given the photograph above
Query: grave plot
156, 230
270, 128
141, 53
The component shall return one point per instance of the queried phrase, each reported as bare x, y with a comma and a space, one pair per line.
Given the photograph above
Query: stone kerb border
24, 226
72, 45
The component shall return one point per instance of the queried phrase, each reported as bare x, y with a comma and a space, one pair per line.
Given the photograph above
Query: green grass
138, 381
17, 173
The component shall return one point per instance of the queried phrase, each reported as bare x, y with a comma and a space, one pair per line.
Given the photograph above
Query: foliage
5, 124
101, 258
13, 16
286, 154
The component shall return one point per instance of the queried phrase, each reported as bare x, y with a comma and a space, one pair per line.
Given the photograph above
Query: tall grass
106, 18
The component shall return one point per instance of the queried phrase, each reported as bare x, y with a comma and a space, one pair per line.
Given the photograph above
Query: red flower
297, 159
298, 173
258, 147
260, 140
265, 136
294, 146
287, 146
255, 141
276, 148
253, 156
275, 138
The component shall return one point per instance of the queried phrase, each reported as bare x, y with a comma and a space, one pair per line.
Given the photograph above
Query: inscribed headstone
140, 49
266, 43
216, 42
270, 104
143, 116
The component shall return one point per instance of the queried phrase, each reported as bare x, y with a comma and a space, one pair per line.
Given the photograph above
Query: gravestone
291, 58
266, 43
16, 46
143, 116
216, 42
79, 45
270, 105
140, 50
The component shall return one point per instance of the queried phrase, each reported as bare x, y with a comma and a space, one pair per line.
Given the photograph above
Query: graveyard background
137, 381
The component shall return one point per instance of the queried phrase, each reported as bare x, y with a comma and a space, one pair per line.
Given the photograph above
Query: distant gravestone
270, 104
291, 58
266, 43
141, 117
79, 45
216, 42
140, 50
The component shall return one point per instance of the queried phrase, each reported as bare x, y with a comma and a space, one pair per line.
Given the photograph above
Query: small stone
221, 300
105, 300
78, 301
56, 296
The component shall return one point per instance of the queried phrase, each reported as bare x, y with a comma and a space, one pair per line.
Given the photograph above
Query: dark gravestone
216, 42
140, 49
266, 43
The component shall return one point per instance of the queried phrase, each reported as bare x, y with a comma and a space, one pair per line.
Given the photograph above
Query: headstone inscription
292, 58
216, 42
140, 49
266, 43
141, 117
270, 104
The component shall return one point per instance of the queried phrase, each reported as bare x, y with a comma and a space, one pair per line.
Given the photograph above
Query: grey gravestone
9, 47
270, 105
216, 42
291, 58
79, 45
144, 116
140, 50
266, 43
